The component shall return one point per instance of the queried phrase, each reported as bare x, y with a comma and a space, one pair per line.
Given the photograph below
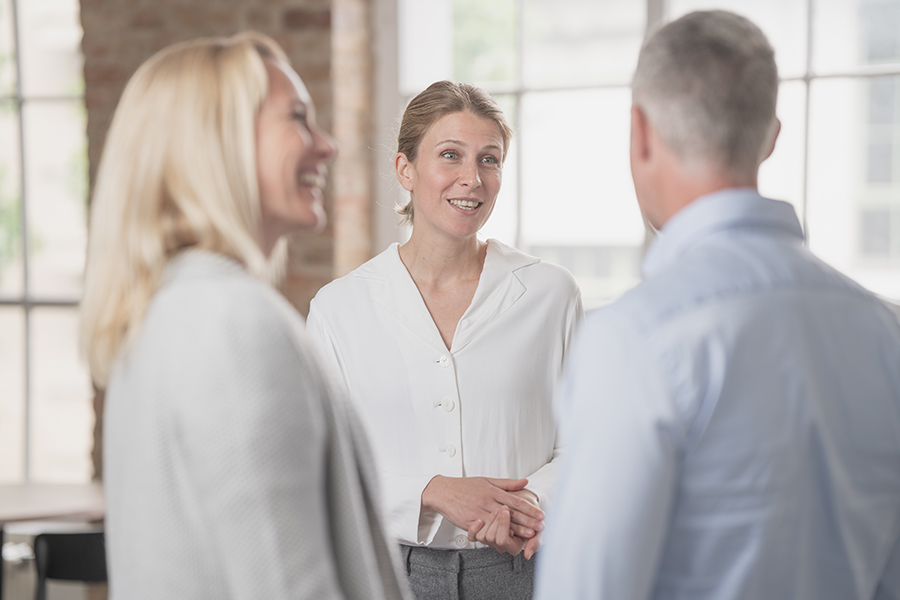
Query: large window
46, 417
561, 69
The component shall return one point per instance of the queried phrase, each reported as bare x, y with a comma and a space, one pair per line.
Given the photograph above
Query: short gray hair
708, 83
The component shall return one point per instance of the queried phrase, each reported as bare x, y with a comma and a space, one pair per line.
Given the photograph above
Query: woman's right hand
464, 501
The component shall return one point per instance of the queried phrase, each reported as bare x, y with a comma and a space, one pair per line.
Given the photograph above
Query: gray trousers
482, 574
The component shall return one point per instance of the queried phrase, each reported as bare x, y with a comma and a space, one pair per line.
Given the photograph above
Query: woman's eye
490, 160
300, 117
448, 154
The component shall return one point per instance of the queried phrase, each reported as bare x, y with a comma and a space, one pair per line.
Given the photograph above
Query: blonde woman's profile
231, 468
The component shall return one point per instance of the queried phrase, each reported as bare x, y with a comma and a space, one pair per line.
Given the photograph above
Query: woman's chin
316, 222
311, 219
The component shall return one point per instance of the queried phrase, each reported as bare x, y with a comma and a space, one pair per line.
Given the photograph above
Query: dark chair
74, 556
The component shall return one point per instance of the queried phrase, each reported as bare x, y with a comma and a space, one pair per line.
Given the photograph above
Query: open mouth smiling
465, 204
312, 180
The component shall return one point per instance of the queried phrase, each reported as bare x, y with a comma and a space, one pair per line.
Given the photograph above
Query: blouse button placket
450, 439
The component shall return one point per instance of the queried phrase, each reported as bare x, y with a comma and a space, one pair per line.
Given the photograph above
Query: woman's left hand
501, 533
533, 543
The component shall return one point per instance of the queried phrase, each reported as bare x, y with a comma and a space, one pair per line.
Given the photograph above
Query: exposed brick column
353, 102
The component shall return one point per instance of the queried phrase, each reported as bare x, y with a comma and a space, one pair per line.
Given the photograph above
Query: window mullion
23, 216
807, 79
656, 14
520, 86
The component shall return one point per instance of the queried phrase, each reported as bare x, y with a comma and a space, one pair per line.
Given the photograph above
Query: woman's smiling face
456, 176
292, 154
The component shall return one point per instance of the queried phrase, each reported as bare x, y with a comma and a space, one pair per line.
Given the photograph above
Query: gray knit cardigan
231, 469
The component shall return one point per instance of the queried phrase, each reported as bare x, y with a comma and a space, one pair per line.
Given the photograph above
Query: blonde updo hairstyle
439, 99
178, 171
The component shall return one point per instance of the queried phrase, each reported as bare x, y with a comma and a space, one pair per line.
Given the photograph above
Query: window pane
50, 39
10, 209
578, 42
880, 159
875, 232
781, 175
882, 100
7, 50
425, 48
578, 202
57, 190
502, 224
62, 409
485, 41
12, 394
849, 33
854, 188
783, 21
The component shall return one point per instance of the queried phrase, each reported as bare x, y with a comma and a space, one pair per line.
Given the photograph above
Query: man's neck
684, 185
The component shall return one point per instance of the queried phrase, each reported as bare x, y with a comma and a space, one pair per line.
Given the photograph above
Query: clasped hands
498, 512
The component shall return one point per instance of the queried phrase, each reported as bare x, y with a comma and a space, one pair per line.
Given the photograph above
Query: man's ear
774, 139
404, 169
640, 134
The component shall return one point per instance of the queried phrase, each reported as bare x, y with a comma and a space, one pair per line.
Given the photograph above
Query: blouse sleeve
402, 494
325, 348
542, 481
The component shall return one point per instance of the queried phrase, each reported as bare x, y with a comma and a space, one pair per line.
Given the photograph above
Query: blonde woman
450, 347
230, 470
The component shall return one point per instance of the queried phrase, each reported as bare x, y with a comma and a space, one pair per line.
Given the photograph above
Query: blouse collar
498, 289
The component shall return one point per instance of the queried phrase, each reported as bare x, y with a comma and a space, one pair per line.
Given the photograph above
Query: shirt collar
718, 211
498, 289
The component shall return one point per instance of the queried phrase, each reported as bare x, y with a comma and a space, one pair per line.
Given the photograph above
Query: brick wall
328, 43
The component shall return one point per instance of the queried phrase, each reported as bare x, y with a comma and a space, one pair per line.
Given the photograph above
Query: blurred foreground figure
231, 471
732, 424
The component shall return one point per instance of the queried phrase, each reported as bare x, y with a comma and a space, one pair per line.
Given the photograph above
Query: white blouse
482, 408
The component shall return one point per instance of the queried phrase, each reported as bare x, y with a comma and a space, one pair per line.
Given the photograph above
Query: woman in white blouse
450, 348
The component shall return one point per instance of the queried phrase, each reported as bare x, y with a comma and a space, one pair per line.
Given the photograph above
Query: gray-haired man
732, 423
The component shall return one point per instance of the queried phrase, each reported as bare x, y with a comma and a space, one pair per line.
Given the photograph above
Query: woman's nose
326, 146
470, 175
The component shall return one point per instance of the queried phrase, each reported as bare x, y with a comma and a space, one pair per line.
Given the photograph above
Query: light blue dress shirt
731, 425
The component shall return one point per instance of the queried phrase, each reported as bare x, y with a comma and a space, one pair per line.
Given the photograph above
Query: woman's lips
465, 204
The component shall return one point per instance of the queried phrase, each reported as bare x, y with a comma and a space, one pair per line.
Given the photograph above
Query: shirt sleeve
325, 348
402, 494
409, 522
253, 433
607, 528
541, 482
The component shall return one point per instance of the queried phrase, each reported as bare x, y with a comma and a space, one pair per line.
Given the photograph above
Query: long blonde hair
178, 171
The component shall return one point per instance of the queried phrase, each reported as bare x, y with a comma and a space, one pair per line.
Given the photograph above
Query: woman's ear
405, 171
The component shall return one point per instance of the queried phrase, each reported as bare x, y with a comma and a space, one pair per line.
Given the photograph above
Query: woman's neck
440, 262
